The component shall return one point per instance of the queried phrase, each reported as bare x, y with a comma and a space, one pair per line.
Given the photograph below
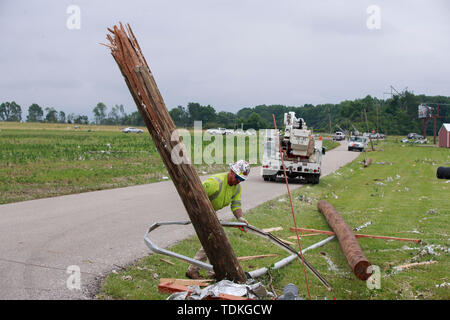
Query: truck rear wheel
315, 179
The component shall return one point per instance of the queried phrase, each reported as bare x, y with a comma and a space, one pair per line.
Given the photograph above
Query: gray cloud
229, 54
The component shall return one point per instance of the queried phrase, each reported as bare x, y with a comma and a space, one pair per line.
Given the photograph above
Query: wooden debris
287, 242
367, 162
357, 235
272, 229
167, 261
186, 282
303, 235
415, 264
246, 258
167, 287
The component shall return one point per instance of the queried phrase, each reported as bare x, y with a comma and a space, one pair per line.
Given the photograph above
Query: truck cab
357, 143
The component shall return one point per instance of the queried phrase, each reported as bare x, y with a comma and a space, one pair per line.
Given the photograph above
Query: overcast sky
229, 54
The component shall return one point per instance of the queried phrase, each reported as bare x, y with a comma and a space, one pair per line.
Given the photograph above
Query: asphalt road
101, 231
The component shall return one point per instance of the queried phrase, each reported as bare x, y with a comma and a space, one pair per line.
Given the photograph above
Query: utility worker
223, 189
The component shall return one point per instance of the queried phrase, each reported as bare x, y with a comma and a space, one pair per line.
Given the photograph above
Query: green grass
44, 160
330, 144
40, 160
399, 193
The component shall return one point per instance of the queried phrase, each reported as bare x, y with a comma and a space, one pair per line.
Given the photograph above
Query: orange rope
292, 208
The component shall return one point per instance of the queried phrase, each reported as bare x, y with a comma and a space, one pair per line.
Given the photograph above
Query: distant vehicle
220, 131
376, 136
132, 130
357, 143
414, 136
338, 136
302, 152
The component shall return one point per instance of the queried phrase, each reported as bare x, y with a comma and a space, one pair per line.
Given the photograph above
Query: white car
338, 136
132, 130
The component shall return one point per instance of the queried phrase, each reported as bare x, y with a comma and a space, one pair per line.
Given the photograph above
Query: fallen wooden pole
133, 66
349, 245
331, 233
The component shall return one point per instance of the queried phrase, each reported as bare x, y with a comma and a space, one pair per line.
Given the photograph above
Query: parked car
132, 130
338, 136
414, 136
220, 131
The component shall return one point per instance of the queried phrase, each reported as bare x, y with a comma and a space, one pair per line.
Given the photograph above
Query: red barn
444, 136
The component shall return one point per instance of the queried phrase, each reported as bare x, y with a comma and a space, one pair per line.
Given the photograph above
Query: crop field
398, 194
44, 160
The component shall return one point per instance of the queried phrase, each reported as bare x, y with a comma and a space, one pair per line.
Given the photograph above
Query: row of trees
397, 115
185, 117
11, 111
116, 116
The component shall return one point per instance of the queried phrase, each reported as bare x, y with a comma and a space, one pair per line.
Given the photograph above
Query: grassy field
399, 194
43, 160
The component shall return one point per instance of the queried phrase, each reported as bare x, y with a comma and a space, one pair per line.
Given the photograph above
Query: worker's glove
242, 220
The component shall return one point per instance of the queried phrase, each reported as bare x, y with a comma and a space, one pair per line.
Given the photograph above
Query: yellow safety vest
221, 194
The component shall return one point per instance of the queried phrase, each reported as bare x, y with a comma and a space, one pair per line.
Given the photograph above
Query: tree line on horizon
396, 115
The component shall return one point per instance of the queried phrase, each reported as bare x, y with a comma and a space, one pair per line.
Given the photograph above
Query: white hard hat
241, 168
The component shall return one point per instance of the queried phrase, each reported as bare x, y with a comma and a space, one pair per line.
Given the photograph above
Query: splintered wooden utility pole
139, 79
